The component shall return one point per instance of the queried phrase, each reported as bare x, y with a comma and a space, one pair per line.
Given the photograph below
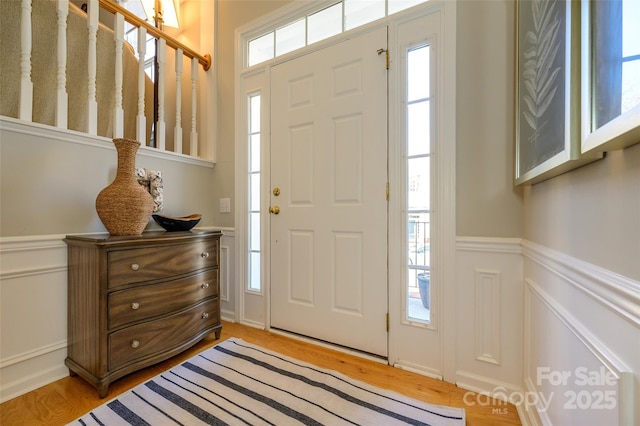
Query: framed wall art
610, 74
547, 90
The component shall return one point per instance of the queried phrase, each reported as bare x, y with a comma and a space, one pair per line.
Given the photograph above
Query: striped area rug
237, 383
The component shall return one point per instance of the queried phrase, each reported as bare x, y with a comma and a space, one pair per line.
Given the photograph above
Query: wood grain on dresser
138, 300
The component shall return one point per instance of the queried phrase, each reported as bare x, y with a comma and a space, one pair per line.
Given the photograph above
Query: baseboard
32, 371
228, 316
479, 384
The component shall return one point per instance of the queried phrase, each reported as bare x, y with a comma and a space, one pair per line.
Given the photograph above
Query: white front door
329, 170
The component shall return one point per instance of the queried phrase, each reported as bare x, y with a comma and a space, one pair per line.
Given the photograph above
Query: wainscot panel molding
33, 313
489, 291
581, 341
227, 273
33, 341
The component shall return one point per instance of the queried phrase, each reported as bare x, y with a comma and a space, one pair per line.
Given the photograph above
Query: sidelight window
418, 183
254, 193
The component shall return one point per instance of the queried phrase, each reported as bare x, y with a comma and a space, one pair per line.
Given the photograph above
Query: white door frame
253, 307
409, 31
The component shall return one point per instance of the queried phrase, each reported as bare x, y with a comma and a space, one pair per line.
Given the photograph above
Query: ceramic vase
124, 207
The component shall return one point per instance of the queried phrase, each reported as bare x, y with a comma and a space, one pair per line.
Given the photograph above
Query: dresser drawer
143, 340
140, 303
128, 266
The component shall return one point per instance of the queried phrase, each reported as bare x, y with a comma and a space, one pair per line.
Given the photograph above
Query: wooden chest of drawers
137, 300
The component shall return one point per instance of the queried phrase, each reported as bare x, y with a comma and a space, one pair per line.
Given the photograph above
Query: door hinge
387, 191
387, 322
386, 54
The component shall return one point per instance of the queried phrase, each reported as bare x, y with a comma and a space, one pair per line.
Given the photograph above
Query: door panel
329, 159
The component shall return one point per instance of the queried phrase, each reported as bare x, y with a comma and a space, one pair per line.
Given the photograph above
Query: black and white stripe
238, 383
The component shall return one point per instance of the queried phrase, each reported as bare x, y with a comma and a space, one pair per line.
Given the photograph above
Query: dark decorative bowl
172, 224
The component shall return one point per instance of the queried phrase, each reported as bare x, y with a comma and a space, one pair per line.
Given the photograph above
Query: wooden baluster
92, 104
26, 85
160, 125
62, 98
141, 122
118, 110
194, 105
177, 133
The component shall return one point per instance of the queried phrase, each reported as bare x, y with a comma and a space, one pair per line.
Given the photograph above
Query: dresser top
146, 237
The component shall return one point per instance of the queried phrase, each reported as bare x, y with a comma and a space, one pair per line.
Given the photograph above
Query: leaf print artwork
542, 67
539, 74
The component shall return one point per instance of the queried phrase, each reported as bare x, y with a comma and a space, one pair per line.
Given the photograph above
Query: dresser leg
103, 390
72, 373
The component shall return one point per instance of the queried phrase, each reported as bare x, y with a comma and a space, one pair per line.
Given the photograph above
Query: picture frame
547, 90
151, 180
610, 112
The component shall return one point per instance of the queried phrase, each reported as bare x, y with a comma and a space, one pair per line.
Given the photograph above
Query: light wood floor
67, 399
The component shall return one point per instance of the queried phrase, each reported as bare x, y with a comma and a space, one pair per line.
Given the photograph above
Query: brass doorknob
274, 209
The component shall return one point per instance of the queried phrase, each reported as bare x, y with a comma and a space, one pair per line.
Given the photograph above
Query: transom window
321, 24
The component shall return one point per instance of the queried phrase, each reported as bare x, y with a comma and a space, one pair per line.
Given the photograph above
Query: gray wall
49, 186
231, 15
488, 204
592, 213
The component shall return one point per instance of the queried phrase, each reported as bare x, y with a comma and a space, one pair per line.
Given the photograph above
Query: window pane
418, 184
360, 12
630, 85
255, 193
418, 128
398, 5
630, 27
254, 113
418, 73
324, 24
418, 271
150, 52
254, 272
419, 295
261, 49
255, 153
290, 38
255, 232
419, 237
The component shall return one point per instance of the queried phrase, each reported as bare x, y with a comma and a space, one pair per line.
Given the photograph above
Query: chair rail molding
618, 293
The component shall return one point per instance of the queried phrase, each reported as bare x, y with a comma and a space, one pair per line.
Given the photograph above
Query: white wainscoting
227, 275
581, 327
33, 313
33, 309
489, 325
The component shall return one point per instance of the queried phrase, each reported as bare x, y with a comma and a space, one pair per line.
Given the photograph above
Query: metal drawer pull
205, 285
204, 255
135, 266
135, 305
205, 315
135, 344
